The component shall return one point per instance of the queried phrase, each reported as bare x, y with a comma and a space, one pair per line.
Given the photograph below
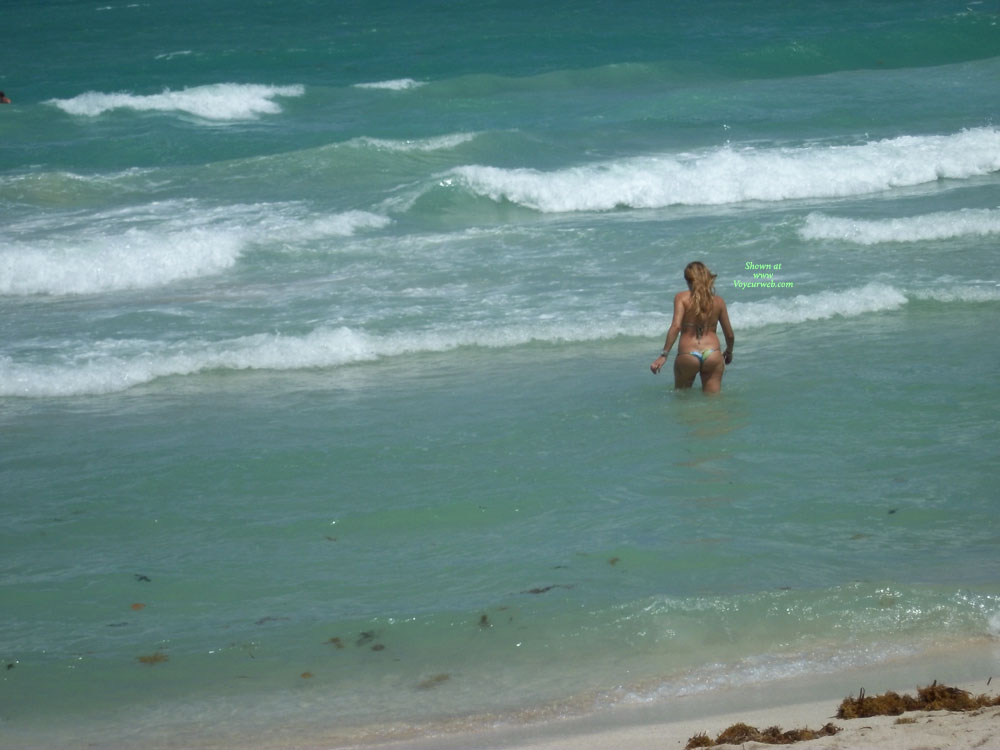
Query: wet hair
702, 283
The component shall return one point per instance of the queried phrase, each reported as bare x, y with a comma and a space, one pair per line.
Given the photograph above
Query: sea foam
732, 175
112, 366
942, 225
397, 84
802, 308
438, 143
134, 259
203, 241
219, 102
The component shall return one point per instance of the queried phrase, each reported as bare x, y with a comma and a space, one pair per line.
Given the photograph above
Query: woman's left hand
657, 364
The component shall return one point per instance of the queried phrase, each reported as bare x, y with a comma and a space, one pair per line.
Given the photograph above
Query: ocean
326, 415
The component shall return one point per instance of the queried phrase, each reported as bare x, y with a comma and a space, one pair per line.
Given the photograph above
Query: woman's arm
672, 333
727, 331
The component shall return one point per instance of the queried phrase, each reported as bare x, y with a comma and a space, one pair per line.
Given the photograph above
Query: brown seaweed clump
157, 657
433, 682
699, 740
933, 697
740, 733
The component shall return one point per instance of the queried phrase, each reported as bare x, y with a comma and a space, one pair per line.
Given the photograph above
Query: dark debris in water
157, 657
364, 638
433, 682
270, 618
544, 589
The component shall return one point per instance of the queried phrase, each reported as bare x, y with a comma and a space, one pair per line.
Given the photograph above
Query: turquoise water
325, 410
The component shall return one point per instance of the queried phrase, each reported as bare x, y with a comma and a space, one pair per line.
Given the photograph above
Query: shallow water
324, 393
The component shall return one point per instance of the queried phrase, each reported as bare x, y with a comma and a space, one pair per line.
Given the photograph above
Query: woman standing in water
697, 313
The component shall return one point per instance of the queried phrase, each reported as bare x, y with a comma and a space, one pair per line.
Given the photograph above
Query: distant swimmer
3, 98
697, 313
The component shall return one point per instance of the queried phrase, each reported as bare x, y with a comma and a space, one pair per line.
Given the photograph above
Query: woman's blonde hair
702, 283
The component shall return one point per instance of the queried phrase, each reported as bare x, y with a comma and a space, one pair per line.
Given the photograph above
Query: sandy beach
638, 729
923, 730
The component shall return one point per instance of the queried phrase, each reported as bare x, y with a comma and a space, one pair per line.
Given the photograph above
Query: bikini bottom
702, 355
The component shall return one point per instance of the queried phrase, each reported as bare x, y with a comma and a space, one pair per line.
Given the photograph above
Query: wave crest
733, 175
220, 101
108, 367
941, 225
437, 143
397, 84
144, 257
822, 306
135, 259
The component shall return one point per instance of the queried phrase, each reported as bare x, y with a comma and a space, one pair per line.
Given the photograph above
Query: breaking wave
219, 102
116, 366
105, 258
942, 225
733, 175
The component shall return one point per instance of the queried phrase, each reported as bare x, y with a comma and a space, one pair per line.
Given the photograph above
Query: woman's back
697, 314
694, 326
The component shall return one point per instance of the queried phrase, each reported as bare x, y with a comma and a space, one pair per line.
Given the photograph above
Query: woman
697, 313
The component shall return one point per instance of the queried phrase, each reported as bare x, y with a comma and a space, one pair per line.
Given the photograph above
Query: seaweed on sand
699, 740
737, 734
740, 733
933, 697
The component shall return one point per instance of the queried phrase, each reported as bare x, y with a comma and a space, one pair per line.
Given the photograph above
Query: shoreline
801, 702
797, 703
923, 731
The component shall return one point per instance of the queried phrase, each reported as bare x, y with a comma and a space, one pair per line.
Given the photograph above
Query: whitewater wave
733, 175
942, 225
397, 84
345, 224
959, 293
822, 306
133, 259
438, 143
172, 55
108, 367
219, 102
172, 250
